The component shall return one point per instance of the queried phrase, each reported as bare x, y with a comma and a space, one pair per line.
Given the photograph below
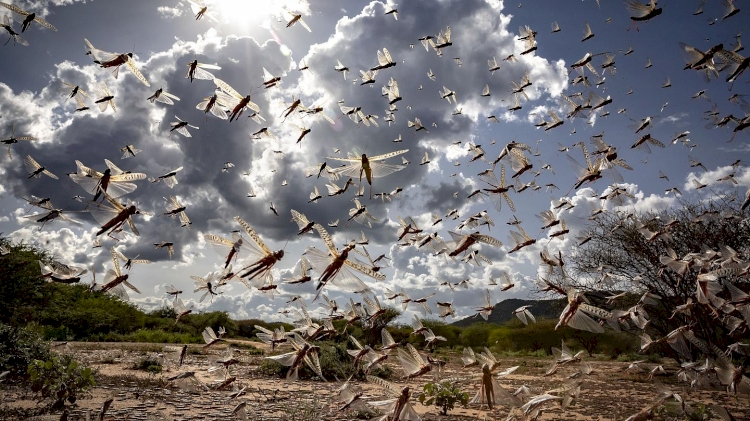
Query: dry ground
609, 393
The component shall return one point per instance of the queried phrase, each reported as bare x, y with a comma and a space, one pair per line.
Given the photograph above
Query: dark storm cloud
91, 138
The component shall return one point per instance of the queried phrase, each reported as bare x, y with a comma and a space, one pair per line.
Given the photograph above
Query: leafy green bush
371, 335
335, 362
86, 314
160, 336
513, 337
674, 410
149, 364
444, 395
702, 412
617, 343
57, 333
22, 291
477, 335
72, 312
214, 319
589, 341
534, 337
60, 379
400, 333
19, 347
271, 368
383, 371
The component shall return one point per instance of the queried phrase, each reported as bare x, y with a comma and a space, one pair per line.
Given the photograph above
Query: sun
255, 12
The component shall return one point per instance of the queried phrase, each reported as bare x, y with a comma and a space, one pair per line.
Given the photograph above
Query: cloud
42, 7
166, 12
480, 31
200, 157
64, 244
719, 179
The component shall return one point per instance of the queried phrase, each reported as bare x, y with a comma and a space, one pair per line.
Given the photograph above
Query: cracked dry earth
609, 393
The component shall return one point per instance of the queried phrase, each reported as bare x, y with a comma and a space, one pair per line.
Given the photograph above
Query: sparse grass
131, 380
252, 350
303, 409
539, 353
632, 356
146, 387
14, 413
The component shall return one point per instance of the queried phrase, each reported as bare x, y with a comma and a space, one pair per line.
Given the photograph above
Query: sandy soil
609, 393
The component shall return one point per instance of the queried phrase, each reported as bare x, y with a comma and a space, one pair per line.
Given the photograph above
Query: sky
244, 37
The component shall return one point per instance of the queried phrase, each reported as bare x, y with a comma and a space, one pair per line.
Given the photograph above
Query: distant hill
503, 311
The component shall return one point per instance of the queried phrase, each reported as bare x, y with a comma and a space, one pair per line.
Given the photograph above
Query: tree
371, 335
22, 290
72, 312
589, 341
692, 257
477, 335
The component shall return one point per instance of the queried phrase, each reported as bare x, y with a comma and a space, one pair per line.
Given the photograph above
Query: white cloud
480, 30
166, 12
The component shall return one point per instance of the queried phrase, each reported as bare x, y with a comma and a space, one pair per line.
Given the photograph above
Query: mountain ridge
502, 312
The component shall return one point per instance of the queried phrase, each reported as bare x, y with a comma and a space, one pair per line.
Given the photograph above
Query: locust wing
201, 73
411, 361
344, 279
215, 109
327, 240
638, 9
364, 269
131, 65
384, 57
100, 56
37, 19
32, 167
227, 89
254, 236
